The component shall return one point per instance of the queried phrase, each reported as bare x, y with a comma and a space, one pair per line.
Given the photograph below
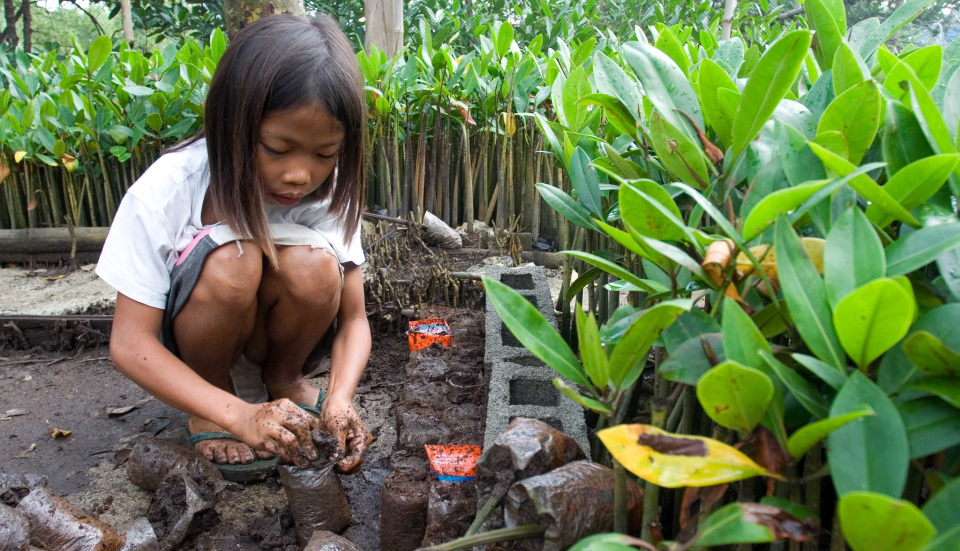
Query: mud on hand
283, 429
353, 438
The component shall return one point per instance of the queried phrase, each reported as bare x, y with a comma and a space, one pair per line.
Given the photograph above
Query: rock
328, 541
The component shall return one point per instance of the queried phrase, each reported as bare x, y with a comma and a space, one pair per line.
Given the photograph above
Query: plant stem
620, 513
524, 532
811, 465
658, 418
482, 515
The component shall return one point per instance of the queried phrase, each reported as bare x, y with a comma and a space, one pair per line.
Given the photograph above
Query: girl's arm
279, 427
351, 350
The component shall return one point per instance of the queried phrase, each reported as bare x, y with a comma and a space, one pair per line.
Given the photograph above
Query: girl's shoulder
180, 173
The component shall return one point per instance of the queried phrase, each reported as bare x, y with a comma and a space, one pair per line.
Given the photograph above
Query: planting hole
508, 338
529, 392
518, 281
555, 423
526, 361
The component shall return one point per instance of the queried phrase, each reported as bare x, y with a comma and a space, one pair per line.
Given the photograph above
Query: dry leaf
33, 202
4, 171
59, 433
781, 524
18, 156
110, 411
768, 453
706, 497
11, 413
55, 278
121, 456
32, 448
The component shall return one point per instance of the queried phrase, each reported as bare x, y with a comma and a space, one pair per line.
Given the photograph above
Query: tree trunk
127, 22
27, 26
384, 25
11, 14
729, 7
239, 13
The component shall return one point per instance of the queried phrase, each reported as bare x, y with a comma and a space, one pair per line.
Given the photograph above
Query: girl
237, 250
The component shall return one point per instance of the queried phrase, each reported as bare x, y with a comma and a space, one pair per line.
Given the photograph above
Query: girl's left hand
342, 421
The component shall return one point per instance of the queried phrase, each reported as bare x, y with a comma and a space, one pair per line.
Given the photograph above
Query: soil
54, 291
70, 391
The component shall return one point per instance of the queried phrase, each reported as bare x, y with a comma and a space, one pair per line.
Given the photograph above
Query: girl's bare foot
222, 450
297, 391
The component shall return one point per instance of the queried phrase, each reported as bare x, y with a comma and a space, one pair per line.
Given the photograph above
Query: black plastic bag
451, 508
180, 508
569, 503
56, 525
323, 540
317, 499
152, 459
527, 448
14, 530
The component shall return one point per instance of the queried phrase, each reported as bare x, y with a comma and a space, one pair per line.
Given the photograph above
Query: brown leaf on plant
465, 113
714, 153
715, 264
59, 433
781, 524
4, 171
33, 201
670, 445
768, 453
701, 498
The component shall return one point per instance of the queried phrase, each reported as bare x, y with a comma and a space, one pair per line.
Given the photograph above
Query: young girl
237, 250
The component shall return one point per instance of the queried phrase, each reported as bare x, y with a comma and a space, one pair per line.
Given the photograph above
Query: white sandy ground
39, 292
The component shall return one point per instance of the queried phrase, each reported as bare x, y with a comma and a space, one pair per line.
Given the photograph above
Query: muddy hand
281, 428
344, 423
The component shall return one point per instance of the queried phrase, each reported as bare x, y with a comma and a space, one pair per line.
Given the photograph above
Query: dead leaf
59, 433
11, 413
768, 453
121, 456
31, 449
781, 524
55, 278
706, 497
669, 445
33, 202
4, 171
110, 411
813, 246
714, 153
18, 156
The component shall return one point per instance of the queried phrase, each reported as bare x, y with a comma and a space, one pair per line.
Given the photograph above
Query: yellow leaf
676, 461
69, 162
4, 171
18, 156
509, 125
59, 433
813, 245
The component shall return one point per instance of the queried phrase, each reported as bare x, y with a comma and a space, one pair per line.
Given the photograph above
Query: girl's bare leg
297, 304
213, 328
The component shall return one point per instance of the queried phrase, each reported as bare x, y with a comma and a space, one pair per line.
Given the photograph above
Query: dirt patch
61, 291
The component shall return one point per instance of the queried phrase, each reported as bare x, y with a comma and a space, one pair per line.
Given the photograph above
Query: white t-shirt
160, 215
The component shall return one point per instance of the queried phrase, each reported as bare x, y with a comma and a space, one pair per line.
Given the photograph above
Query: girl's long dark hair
278, 63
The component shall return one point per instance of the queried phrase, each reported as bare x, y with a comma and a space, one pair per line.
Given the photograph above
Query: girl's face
298, 151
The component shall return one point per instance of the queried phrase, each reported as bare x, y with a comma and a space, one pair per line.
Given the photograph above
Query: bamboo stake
467, 180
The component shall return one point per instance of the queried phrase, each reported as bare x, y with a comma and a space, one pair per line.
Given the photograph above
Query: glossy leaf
856, 115
873, 318
903, 139
804, 291
942, 509
767, 85
742, 341
875, 522
807, 436
932, 425
849, 69
533, 330
919, 248
611, 79
583, 178
618, 271
945, 388
630, 355
906, 13
829, 20
915, 183
690, 361
98, 53
853, 255
713, 79
674, 460
664, 84
566, 206
808, 396
734, 395
679, 154
577, 398
637, 209
931, 355
605, 542
592, 354
783, 201
832, 375
869, 454
925, 64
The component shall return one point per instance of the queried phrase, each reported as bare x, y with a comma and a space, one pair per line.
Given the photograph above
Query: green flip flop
315, 409
259, 469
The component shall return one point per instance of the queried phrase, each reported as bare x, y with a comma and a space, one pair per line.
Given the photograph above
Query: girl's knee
231, 274
311, 276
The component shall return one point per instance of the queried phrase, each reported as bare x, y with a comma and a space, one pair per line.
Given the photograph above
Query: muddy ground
69, 391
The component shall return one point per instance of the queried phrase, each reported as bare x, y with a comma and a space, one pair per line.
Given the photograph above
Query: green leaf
566, 206
833, 376
712, 79
782, 201
904, 14
805, 293
639, 211
155, 121
727, 526
585, 279
870, 454
853, 255
679, 154
856, 115
615, 111
864, 185
689, 362
932, 425
767, 85
98, 53
849, 69
664, 84
945, 388
667, 43
915, 183
873, 318
903, 139
533, 330
613, 80
920, 248
931, 355
630, 355
829, 20
592, 354
584, 401
875, 522
742, 341
734, 395
933, 125
585, 183
504, 39
605, 542
942, 508
809, 397
618, 271
925, 64
807, 436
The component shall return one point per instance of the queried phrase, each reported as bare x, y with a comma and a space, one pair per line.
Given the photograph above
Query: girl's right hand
281, 428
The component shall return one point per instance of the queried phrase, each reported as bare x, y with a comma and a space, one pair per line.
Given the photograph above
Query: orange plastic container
423, 333
454, 463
